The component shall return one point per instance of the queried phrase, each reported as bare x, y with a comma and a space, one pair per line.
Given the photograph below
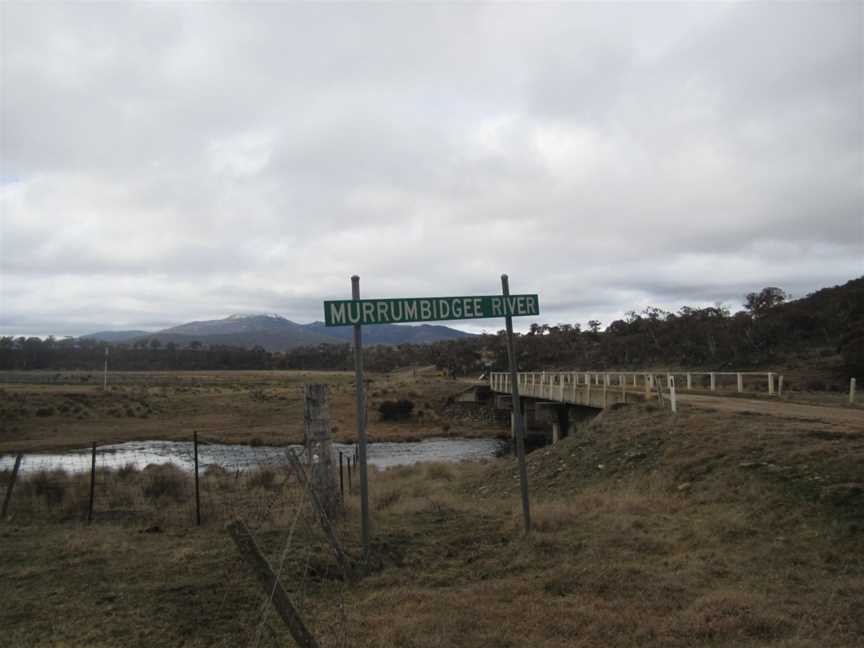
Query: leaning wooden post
517, 410
9, 488
851, 391
323, 517
270, 584
319, 447
361, 424
197, 492
92, 483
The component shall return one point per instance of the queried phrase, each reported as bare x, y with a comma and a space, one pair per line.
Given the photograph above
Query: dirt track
852, 418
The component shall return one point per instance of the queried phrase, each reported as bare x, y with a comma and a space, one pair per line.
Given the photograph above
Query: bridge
562, 399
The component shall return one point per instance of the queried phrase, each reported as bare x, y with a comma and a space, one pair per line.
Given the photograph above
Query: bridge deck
602, 389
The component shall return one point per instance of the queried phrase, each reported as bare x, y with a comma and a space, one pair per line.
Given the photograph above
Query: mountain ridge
274, 332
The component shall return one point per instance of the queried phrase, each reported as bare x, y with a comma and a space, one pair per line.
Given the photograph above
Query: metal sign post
361, 423
519, 430
356, 312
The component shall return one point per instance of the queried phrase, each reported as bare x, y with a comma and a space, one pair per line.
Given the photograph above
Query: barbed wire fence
154, 486
150, 482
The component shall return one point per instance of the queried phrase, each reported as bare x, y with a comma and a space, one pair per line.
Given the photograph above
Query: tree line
768, 329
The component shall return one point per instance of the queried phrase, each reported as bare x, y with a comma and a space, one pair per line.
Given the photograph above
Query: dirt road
852, 418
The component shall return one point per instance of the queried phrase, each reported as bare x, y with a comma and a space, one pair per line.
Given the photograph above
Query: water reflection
239, 457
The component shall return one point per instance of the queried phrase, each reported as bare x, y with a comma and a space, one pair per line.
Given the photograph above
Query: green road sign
347, 312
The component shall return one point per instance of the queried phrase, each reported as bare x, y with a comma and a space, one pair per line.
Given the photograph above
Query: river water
240, 457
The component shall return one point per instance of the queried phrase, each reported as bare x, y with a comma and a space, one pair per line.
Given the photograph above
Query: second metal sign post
356, 312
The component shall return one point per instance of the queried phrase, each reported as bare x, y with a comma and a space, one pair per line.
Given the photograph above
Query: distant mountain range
275, 333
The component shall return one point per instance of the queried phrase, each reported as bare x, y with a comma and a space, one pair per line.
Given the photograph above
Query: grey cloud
173, 162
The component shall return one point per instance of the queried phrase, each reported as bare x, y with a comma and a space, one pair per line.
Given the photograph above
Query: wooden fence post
780, 386
851, 391
92, 483
341, 479
197, 495
10, 487
270, 584
319, 447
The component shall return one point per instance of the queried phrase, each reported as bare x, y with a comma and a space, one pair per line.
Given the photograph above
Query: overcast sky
169, 162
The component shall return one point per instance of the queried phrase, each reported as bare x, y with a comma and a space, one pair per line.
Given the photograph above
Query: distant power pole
105, 373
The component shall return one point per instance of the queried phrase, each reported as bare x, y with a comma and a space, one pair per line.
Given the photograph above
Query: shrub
439, 471
51, 486
126, 471
551, 516
387, 499
166, 480
264, 478
395, 410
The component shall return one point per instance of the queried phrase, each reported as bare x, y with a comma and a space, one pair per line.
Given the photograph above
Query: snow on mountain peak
240, 316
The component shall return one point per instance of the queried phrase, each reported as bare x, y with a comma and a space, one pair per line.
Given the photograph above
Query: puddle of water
239, 457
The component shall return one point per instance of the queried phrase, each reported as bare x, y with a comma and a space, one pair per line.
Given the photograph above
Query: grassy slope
703, 529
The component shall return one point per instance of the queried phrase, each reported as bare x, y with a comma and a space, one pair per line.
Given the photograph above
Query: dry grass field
705, 528
257, 407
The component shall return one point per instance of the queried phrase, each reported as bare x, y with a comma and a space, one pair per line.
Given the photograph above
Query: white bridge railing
603, 388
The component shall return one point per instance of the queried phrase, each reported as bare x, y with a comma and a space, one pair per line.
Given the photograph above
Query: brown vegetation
258, 408
649, 530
